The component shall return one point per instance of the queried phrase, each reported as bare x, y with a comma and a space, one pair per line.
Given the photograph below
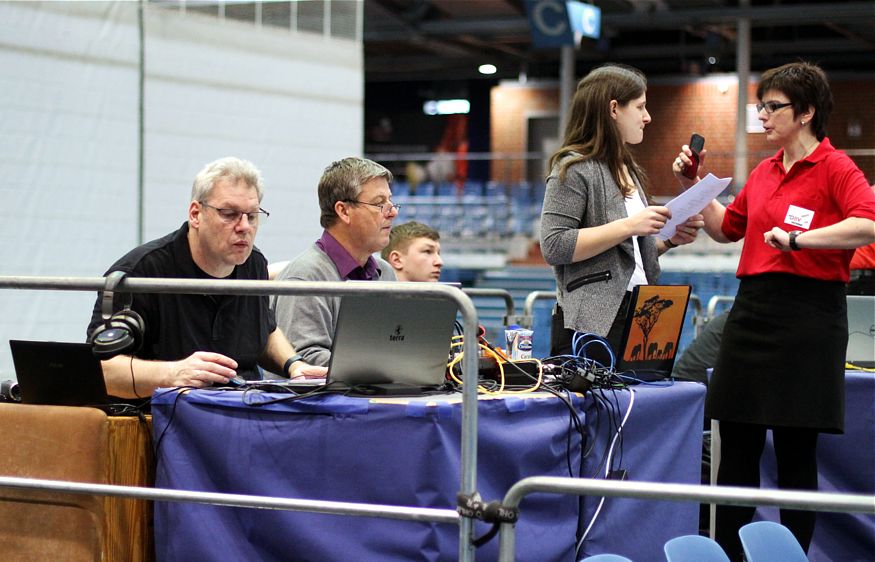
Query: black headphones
120, 332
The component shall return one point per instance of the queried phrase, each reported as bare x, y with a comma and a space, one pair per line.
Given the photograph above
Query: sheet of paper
691, 202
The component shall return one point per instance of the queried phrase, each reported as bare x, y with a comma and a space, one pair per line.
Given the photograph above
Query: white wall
289, 102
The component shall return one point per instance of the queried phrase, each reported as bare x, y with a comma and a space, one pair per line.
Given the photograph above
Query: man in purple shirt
356, 208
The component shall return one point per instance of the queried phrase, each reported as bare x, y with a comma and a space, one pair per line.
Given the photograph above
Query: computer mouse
237, 381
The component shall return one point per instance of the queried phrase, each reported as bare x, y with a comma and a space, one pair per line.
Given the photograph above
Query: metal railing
527, 318
468, 478
812, 501
235, 500
817, 501
715, 301
698, 320
509, 307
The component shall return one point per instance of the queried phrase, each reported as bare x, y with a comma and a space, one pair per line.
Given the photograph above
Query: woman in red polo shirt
781, 362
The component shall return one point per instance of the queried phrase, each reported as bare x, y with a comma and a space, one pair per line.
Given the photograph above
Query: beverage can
509, 337
521, 347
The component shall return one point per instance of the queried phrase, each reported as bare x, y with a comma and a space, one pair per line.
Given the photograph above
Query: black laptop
60, 374
652, 332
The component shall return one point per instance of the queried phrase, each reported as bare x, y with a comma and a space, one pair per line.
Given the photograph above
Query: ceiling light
446, 107
487, 69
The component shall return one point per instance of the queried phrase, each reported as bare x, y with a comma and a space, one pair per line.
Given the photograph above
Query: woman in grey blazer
596, 224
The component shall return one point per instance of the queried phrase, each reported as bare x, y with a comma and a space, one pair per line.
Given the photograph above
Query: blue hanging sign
548, 20
585, 19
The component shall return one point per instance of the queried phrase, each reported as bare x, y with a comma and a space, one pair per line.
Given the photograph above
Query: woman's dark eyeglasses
772, 106
232, 216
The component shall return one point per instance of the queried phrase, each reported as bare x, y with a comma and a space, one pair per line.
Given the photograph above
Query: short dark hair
342, 181
805, 84
402, 235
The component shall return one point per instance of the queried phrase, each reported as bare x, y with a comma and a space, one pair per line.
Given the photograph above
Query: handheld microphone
697, 143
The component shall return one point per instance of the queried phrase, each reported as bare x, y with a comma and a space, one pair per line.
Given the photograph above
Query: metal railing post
698, 321
714, 302
498, 293
529, 305
470, 372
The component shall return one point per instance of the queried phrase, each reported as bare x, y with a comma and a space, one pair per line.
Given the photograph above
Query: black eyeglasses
385, 208
772, 106
232, 216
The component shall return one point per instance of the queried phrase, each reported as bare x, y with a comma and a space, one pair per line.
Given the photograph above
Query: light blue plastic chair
767, 541
606, 558
694, 548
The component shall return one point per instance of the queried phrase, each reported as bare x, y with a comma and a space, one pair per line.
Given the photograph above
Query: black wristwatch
793, 234
293, 359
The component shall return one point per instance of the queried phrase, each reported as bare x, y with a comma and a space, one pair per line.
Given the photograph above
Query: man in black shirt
200, 340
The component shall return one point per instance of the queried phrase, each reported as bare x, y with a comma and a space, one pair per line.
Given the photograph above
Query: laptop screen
653, 329
58, 373
386, 339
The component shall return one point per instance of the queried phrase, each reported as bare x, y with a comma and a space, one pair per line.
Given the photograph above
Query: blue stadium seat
400, 189
694, 548
446, 188
767, 541
606, 558
425, 189
472, 187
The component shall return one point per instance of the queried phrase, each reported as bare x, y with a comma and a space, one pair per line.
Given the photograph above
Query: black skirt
782, 357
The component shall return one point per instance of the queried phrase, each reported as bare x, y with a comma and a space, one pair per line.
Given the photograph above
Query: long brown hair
591, 133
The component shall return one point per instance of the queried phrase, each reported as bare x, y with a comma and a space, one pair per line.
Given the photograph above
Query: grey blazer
590, 291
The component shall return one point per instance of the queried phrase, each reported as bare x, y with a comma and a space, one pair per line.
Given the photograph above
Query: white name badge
797, 216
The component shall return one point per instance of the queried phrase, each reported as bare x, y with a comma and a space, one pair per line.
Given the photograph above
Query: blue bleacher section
470, 210
519, 281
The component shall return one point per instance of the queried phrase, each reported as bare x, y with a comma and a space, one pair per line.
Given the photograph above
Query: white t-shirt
635, 205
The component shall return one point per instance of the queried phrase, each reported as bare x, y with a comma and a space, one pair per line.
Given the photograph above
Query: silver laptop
861, 331
381, 341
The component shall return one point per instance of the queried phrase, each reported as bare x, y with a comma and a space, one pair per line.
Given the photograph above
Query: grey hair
342, 181
235, 169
